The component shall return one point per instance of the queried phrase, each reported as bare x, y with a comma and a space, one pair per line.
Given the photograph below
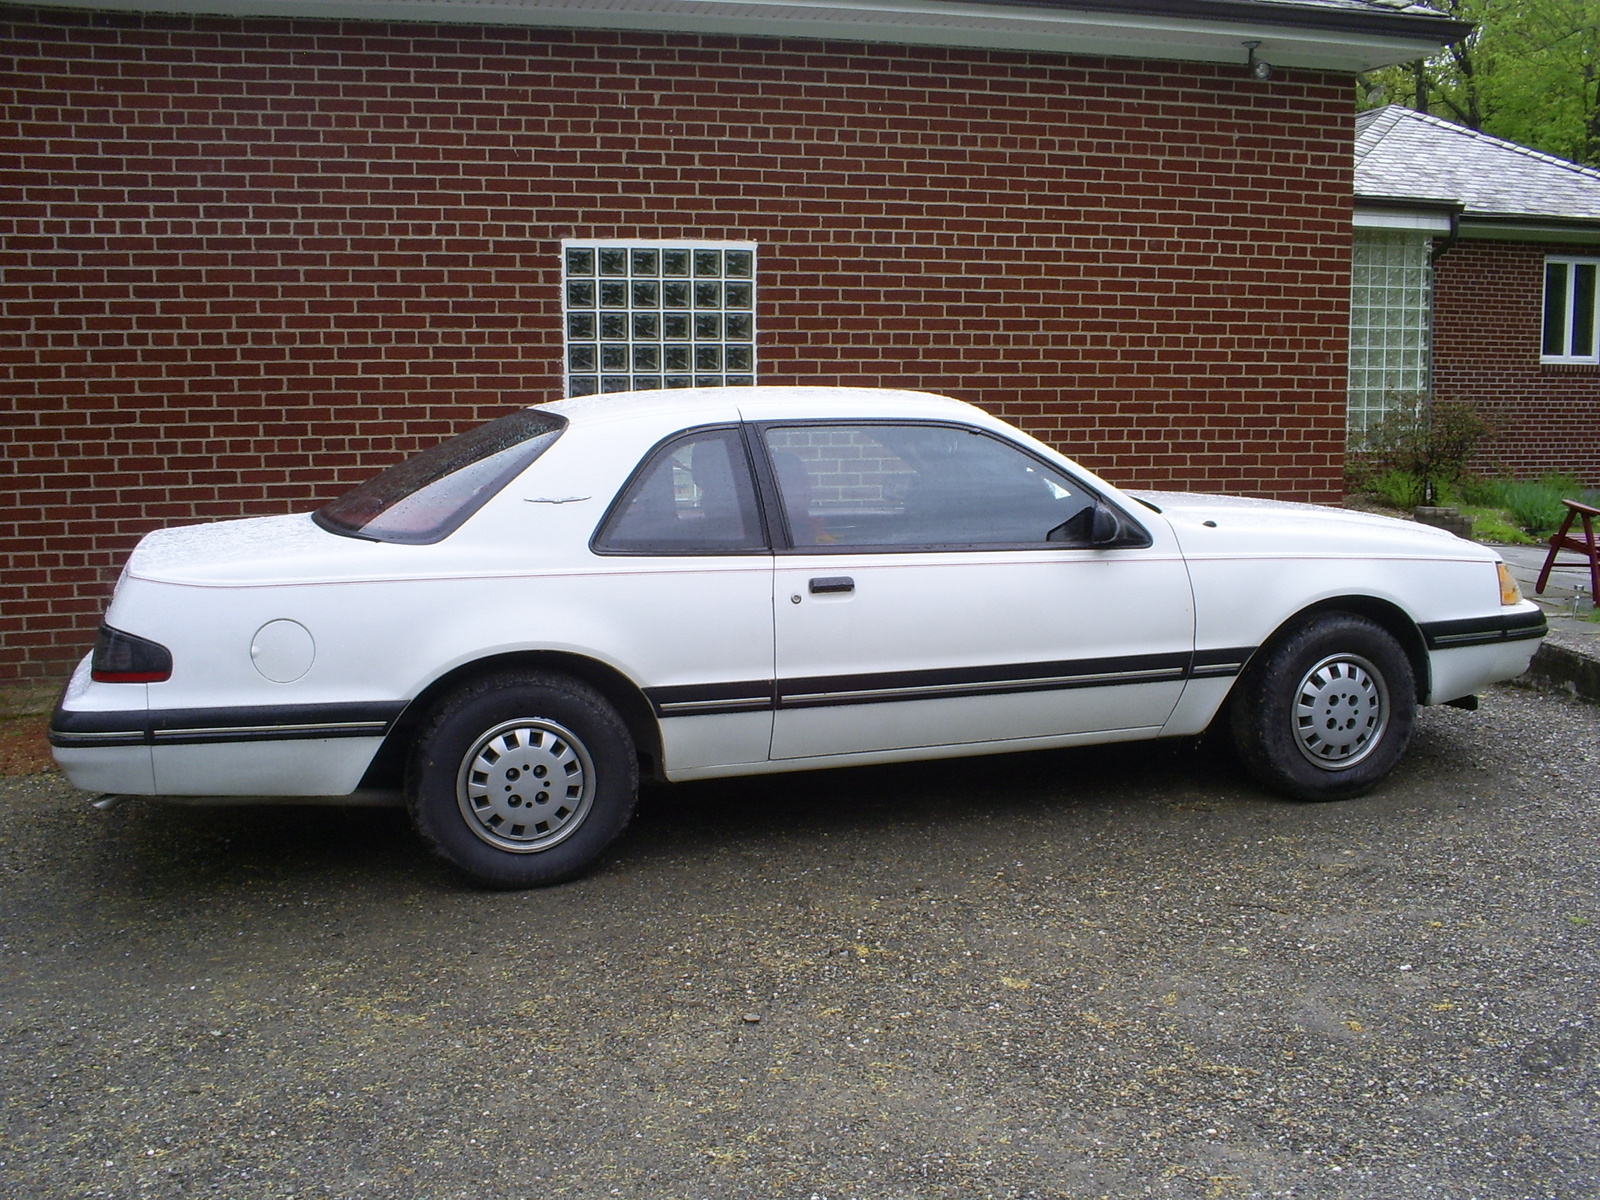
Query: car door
944, 586
687, 584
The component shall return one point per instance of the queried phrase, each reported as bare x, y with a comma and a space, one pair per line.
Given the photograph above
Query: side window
694, 495
1571, 330
920, 485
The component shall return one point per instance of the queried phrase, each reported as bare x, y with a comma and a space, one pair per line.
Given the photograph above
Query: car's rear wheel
1325, 712
523, 780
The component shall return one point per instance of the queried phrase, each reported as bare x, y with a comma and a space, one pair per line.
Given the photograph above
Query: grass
1491, 524
1508, 511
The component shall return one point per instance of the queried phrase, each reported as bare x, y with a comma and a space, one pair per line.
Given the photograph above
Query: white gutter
896, 22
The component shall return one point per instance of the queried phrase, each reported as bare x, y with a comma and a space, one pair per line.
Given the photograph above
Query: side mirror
1105, 528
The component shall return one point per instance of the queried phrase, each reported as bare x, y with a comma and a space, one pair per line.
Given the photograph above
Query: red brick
255, 261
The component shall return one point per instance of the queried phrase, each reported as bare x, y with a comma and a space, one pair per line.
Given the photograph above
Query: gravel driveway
1122, 972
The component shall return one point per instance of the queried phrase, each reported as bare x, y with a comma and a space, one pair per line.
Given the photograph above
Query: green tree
1529, 73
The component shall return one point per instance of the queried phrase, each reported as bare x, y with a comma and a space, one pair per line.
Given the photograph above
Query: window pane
429, 495
1583, 342
920, 485
664, 316
694, 496
1390, 314
1555, 309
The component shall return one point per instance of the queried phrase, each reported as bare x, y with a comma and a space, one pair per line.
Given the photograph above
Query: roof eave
1173, 30
1415, 203
1507, 228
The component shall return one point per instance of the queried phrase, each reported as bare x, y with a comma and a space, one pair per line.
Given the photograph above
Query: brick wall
245, 263
1488, 317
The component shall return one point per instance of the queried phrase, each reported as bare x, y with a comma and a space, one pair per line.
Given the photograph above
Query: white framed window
643, 315
1571, 332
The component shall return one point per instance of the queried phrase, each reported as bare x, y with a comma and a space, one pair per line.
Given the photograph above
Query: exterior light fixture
1258, 70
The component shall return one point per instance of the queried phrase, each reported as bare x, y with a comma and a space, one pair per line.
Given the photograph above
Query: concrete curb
1567, 667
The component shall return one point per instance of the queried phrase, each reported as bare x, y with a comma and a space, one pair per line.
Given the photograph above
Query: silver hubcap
525, 785
1340, 711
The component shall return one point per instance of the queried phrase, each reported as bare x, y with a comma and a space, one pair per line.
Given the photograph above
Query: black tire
1325, 711
522, 780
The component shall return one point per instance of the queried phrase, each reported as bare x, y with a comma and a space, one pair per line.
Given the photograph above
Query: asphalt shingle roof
1404, 154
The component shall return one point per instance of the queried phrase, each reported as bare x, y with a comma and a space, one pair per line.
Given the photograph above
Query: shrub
1426, 439
1401, 489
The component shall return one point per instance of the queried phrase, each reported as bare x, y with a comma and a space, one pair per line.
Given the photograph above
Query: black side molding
197, 726
1484, 631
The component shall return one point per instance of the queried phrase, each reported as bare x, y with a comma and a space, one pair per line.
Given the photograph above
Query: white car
508, 629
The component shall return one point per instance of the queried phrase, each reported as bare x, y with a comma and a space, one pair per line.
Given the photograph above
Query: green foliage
1535, 506
1401, 489
1530, 73
1490, 523
1475, 489
1420, 441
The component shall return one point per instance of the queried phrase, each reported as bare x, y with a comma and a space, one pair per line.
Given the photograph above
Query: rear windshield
427, 497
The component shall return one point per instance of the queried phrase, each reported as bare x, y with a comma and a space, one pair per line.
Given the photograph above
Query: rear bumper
107, 739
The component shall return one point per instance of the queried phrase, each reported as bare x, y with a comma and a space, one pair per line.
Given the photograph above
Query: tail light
122, 658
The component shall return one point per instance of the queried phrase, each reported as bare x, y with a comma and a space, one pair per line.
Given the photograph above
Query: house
1474, 276
255, 250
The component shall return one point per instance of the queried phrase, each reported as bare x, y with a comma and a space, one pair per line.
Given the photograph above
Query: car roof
695, 405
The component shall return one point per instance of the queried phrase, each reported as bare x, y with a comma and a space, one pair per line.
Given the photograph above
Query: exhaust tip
108, 801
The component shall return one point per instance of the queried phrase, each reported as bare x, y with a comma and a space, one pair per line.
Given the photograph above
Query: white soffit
1426, 222
896, 22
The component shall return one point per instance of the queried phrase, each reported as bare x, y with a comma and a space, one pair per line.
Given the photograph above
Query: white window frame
1575, 348
616, 318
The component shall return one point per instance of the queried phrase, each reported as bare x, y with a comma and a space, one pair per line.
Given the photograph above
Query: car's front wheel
523, 780
1325, 712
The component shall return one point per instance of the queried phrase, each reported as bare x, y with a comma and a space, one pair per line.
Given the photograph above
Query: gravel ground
1122, 972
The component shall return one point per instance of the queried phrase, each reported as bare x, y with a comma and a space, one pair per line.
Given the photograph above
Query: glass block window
1571, 332
1391, 321
646, 315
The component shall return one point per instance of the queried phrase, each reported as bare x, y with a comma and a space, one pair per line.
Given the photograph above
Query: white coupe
510, 628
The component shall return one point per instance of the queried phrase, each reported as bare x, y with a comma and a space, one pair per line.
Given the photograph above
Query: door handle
832, 583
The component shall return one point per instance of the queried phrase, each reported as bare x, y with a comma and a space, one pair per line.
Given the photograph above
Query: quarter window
694, 495
1570, 328
647, 315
